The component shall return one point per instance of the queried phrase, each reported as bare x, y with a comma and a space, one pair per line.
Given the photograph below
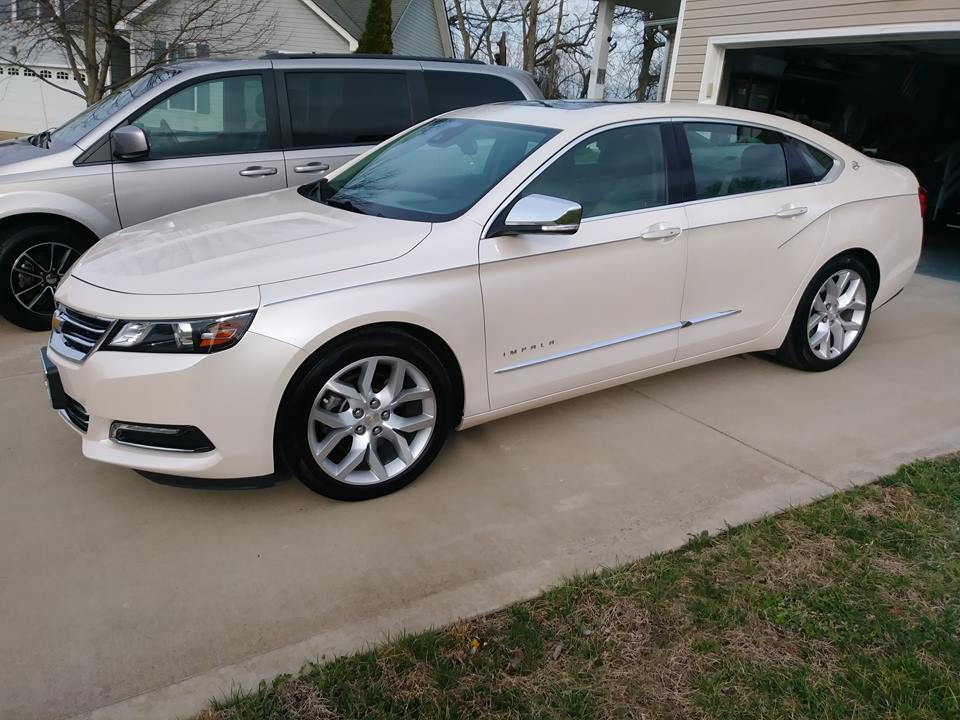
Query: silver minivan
199, 131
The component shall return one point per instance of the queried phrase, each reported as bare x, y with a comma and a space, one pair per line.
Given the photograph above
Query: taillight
922, 192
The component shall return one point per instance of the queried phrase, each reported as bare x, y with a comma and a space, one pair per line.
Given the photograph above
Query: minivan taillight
922, 192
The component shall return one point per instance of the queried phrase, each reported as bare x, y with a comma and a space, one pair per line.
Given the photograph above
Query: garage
895, 100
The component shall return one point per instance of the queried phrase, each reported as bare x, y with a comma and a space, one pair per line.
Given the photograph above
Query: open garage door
896, 100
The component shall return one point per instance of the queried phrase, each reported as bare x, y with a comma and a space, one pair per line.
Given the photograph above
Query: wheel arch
10, 222
428, 337
867, 258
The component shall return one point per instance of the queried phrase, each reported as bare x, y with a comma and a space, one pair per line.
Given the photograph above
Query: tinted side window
809, 164
448, 91
732, 159
347, 108
614, 171
220, 116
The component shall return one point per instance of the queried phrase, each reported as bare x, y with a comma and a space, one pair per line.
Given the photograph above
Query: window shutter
159, 48
203, 50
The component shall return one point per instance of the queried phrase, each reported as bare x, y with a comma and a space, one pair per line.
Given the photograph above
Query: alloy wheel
37, 272
837, 314
372, 420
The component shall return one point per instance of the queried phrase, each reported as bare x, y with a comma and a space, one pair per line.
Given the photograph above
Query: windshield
74, 129
433, 173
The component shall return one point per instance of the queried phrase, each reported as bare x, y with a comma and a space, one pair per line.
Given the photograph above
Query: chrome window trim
838, 166
619, 340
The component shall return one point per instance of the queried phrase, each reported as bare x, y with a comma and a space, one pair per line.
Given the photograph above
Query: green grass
847, 608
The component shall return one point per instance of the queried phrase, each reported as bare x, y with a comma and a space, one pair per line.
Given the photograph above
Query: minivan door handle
312, 167
258, 171
660, 231
791, 210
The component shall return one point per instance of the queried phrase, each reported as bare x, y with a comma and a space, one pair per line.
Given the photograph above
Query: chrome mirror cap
129, 143
542, 214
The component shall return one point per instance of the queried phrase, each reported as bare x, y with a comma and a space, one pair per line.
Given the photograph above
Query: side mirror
129, 143
542, 214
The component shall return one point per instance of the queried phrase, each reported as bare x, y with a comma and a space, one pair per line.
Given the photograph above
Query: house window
29, 73
13, 71
46, 74
61, 75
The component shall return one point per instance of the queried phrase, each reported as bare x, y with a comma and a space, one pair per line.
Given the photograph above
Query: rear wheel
33, 260
368, 418
831, 317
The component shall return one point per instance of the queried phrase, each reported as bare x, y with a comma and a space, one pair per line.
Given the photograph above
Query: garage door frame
713, 65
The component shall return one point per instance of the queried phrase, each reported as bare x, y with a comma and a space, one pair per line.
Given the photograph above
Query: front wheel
831, 317
33, 260
367, 418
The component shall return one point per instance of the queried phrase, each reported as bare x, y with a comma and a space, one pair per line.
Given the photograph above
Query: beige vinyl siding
704, 19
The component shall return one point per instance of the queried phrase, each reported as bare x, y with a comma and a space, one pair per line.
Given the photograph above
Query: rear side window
448, 90
347, 108
733, 159
808, 164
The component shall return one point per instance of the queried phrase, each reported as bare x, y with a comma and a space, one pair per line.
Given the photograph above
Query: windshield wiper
41, 139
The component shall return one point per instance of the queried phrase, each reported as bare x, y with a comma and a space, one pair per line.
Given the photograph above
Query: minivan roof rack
279, 55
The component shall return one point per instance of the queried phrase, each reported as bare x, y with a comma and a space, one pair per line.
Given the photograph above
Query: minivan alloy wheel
37, 271
837, 314
372, 420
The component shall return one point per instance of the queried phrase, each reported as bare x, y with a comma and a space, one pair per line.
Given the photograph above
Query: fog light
175, 438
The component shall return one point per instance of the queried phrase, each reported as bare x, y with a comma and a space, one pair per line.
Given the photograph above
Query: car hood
240, 243
14, 151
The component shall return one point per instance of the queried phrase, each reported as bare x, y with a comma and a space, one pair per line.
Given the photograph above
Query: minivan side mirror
541, 214
130, 143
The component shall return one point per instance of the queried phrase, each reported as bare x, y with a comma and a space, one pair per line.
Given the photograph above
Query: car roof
580, 116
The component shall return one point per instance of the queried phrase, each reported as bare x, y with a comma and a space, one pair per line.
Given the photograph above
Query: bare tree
548, 38
95, 36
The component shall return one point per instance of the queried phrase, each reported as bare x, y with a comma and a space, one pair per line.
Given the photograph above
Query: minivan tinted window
448, 90
347, 108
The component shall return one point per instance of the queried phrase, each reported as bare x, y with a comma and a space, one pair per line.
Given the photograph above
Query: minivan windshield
433, 173
75, 128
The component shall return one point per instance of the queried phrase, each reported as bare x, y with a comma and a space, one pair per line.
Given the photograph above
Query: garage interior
895, 100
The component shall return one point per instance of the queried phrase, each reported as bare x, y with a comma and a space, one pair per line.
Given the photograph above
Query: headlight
180, 336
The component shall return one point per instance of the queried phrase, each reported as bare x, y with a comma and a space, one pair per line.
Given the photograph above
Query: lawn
847, 608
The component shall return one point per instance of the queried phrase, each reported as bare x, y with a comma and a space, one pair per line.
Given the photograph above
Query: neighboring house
880, 75
27, 104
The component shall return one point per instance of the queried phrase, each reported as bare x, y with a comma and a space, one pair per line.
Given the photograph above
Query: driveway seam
734, 438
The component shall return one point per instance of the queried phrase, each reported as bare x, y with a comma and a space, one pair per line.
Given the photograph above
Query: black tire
304, 389
39, 254
796, 351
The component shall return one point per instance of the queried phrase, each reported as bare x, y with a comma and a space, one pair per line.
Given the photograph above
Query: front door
758, 221
213, 140
566, 311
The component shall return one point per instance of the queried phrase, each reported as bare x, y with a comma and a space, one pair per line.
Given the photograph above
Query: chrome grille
76, 334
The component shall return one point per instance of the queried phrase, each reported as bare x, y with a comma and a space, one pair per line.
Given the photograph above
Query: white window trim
675, 50
713, 64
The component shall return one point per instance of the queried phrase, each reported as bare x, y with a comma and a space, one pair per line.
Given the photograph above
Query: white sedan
480, 264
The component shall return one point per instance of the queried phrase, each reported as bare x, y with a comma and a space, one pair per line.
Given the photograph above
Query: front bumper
232, 396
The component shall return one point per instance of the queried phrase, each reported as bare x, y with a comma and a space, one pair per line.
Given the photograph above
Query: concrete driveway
143, 600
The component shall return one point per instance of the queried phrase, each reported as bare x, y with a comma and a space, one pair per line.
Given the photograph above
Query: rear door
331, 114
758, 217
211, 139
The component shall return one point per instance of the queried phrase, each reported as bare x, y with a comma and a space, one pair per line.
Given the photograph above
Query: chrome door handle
257, 171
791, 210
312, 167
660, 231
